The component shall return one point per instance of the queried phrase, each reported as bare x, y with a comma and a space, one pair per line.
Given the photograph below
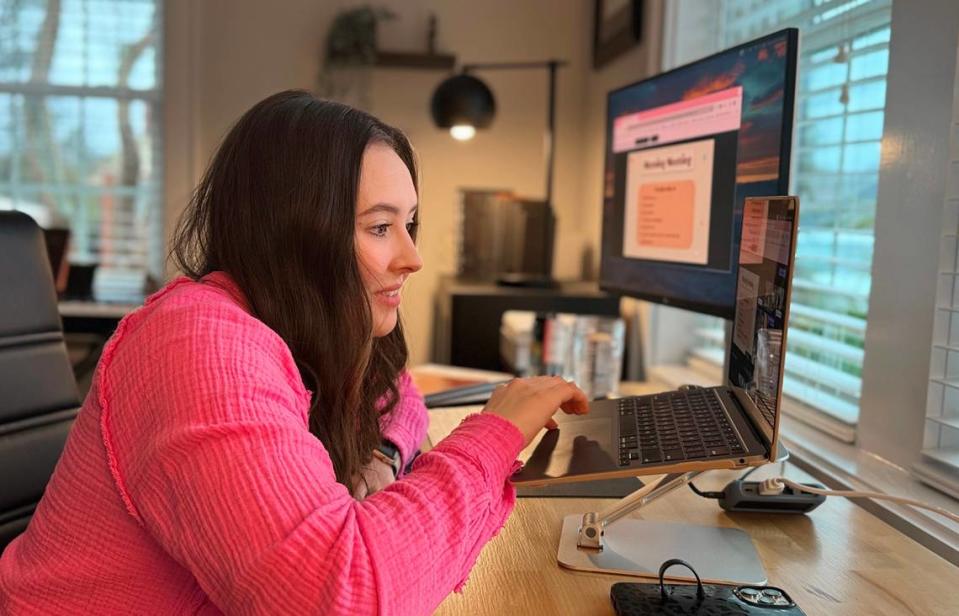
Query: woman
224, 460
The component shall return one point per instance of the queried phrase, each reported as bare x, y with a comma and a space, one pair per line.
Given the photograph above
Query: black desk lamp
463, 104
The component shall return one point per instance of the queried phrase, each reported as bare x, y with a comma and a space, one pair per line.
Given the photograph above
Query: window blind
80, 115
940, 453
844, 51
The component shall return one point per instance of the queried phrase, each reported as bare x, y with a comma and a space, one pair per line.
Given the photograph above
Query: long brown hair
276, 211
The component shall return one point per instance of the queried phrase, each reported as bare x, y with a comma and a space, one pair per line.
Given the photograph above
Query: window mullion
49, 89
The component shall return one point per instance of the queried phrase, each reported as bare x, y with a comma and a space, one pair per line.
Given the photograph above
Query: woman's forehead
384, 178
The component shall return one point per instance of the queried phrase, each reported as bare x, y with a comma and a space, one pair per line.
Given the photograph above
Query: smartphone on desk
636, 599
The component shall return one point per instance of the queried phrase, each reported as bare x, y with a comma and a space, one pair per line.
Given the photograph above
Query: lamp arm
549, 138
553, 65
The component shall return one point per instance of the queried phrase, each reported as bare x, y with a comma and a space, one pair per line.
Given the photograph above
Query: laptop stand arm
594, 523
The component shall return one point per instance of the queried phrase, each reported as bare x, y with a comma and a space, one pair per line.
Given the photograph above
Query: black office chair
38, 394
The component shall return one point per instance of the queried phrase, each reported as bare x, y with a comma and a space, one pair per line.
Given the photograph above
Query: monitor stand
604, 542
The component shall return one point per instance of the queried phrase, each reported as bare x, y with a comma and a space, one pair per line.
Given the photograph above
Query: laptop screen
762, 300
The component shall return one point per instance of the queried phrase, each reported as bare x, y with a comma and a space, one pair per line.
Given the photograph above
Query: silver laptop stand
604, 542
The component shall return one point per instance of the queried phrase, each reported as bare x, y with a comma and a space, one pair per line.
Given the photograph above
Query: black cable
718, 495
704, 494
750, 472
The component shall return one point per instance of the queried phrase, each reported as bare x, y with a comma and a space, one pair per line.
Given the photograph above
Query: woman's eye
411, 227
380, 230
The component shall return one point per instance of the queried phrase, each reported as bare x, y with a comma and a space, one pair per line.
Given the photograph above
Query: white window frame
120, 283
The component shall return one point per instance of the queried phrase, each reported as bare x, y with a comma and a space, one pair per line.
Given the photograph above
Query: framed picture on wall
617, 27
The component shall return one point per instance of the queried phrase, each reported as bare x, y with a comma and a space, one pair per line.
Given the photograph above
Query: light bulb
462, 132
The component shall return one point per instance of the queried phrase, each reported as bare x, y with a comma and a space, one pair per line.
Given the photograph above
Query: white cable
776, 485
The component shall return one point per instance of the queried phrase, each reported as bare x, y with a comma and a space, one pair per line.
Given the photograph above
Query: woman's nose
409, 259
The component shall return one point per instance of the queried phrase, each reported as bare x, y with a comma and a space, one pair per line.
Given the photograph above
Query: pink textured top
191, 484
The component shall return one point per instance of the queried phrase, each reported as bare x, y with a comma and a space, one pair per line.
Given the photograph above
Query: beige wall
222, 56
640, 62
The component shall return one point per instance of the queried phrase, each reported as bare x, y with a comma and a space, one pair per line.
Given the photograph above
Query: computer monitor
684, 150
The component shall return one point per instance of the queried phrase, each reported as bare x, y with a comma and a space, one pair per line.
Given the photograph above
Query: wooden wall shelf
427, 61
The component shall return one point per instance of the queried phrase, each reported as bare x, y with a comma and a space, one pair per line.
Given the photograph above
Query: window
80, 130
844, 51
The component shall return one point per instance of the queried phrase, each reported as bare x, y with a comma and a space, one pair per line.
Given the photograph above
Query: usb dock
745, 496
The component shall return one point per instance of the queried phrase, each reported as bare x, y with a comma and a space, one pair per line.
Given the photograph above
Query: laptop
732, 426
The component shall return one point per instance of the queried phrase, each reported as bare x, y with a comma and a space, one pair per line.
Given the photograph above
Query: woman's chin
385, 324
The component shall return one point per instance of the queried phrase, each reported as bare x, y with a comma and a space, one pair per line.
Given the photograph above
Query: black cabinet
467, 315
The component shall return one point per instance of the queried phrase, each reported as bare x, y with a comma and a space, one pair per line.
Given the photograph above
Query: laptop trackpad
579, 447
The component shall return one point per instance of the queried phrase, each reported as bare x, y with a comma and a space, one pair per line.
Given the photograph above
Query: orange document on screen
668, 196
664, 214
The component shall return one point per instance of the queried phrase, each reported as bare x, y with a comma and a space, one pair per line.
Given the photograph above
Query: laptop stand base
639, 547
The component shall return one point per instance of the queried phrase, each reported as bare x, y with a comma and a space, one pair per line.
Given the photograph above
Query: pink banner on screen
719, 112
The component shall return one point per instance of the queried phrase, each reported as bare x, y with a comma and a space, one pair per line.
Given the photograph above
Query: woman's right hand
529, 403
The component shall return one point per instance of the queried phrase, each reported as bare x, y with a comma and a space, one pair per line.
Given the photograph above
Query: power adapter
753, 496
781, 495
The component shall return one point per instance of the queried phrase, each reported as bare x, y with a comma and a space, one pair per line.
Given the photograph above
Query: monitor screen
684, 149
766, 257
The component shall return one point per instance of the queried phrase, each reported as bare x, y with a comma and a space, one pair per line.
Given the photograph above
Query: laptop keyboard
678, 425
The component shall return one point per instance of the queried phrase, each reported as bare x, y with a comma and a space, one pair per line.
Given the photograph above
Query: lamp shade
463, 100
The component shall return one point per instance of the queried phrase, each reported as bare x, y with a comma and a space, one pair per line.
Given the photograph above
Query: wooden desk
837, 560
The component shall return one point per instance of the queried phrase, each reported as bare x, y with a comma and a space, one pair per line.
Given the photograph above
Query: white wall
507, 155
640, 62
222, 56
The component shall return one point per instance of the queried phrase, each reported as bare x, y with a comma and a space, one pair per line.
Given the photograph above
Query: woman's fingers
531, 402
576, 406
570, 398
573, 401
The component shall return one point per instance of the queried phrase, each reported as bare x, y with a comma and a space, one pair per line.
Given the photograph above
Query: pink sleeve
406, 425
211, 452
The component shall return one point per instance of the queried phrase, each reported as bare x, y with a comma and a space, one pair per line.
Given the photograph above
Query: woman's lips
389, 297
